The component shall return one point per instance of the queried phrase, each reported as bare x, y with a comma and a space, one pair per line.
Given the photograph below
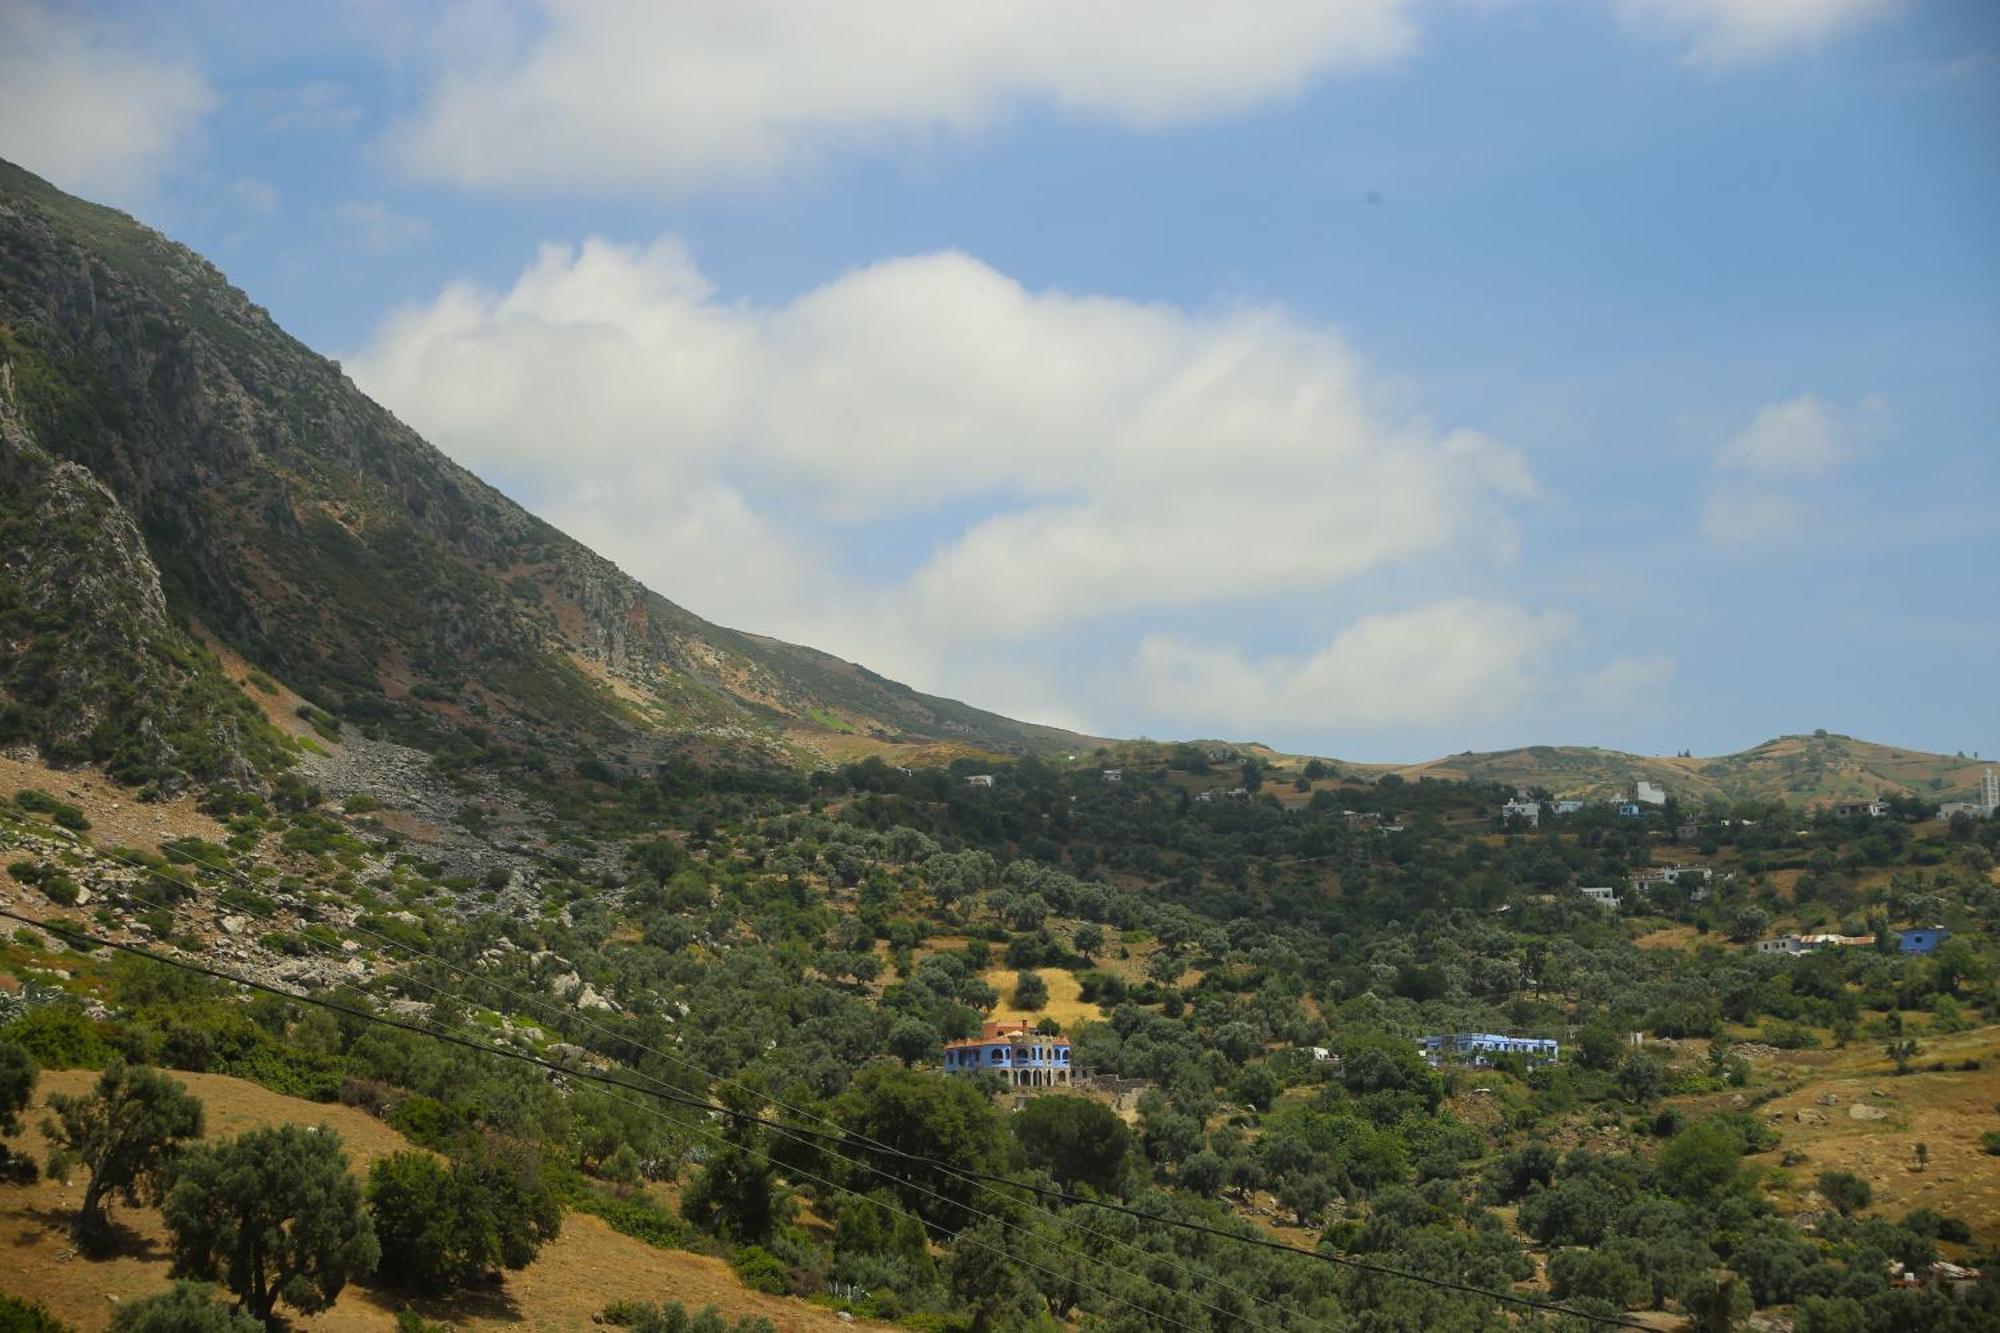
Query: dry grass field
586, 1268
1065, 1005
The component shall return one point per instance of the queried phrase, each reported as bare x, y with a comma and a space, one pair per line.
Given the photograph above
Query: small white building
1527, 811
1604, 896
1567, 806
1114, 775
1647, 793
980, 780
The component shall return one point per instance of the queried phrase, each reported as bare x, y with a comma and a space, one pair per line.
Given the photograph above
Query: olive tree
124, 1133
274, 1216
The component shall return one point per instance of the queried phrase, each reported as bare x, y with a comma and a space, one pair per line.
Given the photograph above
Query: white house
1648, 794
980, 780
1114, 775
1566, 807
1531, 811
1605, 896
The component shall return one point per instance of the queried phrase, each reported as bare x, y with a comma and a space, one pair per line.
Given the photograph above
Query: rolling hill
1797, 769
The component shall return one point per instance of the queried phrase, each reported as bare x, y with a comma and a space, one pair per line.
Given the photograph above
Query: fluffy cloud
1721, 34
1753, 484
670, 94
1801, 438
1069, 458
374, 225
90, 114
1428, 667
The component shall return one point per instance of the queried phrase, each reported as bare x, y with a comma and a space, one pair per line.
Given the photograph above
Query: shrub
761, 1270
186, 1307
19, 1316
41, 803
1847, 1192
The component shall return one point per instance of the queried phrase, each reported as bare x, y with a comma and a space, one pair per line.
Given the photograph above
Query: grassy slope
586, 1268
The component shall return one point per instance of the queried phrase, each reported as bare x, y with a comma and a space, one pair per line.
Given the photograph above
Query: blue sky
1379, 379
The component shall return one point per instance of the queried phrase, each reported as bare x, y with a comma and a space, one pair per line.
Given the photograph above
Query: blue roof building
1922, 939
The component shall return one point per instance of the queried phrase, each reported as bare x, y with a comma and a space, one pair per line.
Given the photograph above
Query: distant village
1527, 811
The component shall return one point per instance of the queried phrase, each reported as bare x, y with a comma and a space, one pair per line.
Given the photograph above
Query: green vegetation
274, 1216
126, 1135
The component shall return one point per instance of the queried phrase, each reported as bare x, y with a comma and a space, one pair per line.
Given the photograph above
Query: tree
1699, 1163
1030, 991
1847, 1192
442, 1226
1600, 1274
17, 1090
1903, 1050
186, 1307
1600, 1046
911, 1040
1074, 1139
131, 1126
1088, 939
980, 1274
273, 1215
941, 1119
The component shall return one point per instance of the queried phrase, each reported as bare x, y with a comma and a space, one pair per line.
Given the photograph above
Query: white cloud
1802, 437
1102, 456
1432, 666
1622, 685
1755, 478
318, 106
259, 197
673, 94
1725, 34
1740, 518
85, 111
372, 224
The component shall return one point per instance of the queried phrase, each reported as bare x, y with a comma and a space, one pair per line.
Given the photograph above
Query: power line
454, 1038
789, 1131
459, 1039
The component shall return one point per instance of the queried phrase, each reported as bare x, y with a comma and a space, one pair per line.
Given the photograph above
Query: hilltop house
1921, 939
1860, 809
1521, 808
1024, 1057
1605, 896
1567, 806
1649, 794
1798, 944
980, 780
1479, 1048
1630, 809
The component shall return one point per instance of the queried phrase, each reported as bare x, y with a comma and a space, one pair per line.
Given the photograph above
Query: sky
1380, 379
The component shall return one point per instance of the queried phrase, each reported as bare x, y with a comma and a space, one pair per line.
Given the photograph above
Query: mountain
1797, 769
258, 502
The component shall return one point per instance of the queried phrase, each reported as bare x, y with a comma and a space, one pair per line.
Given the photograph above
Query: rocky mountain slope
307, 529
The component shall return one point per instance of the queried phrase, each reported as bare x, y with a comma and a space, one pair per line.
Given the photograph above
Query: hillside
309, 531
1796, 769
588, 1267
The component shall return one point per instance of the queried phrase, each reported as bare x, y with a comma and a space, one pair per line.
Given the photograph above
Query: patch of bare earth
117, 818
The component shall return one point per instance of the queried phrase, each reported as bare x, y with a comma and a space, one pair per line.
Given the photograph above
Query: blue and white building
1480, 1049
1022, 1056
